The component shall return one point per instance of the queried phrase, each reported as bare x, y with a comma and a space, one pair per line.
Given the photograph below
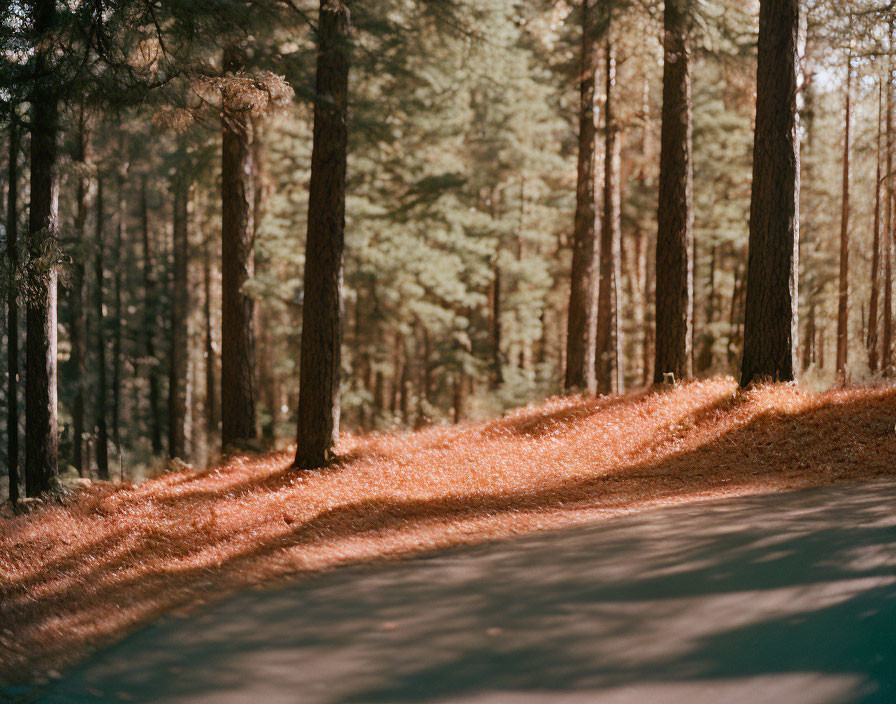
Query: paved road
786, 598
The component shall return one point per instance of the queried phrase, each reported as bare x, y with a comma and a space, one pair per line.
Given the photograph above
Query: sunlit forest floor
75, 574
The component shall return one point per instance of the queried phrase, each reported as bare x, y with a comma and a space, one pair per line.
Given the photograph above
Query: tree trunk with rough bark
102, 432
581, 321
886, 358
843, 290
675, 216
874, 303
118, 321
211, 381
41, 419
12, 313
771, 312
319, 402
150, 325
607, 358
177, 369
78, 305
237, 267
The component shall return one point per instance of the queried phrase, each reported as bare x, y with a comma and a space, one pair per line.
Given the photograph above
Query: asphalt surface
783, 598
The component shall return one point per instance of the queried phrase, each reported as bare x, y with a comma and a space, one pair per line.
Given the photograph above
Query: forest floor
110, 557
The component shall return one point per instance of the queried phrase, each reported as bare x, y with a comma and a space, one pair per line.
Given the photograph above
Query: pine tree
41, 419
180, 297
770, 323
319, 402
843, 293
675, 236
607, 356
12, 310
237, 307
102, 432
581, 325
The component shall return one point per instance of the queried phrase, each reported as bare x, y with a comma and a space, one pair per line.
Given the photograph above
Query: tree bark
705, 356
118, 317
150, 326
607, 358
771, 312
78, 305
874, 303
319, 375
886, 359
496, 330
237, 267
102, 432
12, 311
211, 382
41, 419
177, 369
581, 322
843, 297
675, 216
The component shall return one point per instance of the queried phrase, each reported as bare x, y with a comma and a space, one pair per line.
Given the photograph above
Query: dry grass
78, 574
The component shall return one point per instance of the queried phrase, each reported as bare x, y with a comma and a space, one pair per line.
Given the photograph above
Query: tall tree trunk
607, 358
150, 325
177, 370
874, 303
581, 322
771, 314
237, 257
41, 419
102, 432
887, 342
12, 311
675, 216
118, 316
211, 383
319, 402
78, 305
843, 297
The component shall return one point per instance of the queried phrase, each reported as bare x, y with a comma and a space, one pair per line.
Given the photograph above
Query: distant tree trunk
874, 303
458, 398
102, 432
496, 330
78, 305
177, 370
607, 359
675, 216
647, 351
150, 326
581, 323
41, 420
237, 245
809, 336
639, 282
319, 402
379, 395
12, 312
705, 356
119, 316
211, 383
843, 297
771, 313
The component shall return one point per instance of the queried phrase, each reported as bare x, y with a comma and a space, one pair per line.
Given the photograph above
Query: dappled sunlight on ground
77, 574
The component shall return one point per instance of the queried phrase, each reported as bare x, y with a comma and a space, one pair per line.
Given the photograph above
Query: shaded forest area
238, 222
